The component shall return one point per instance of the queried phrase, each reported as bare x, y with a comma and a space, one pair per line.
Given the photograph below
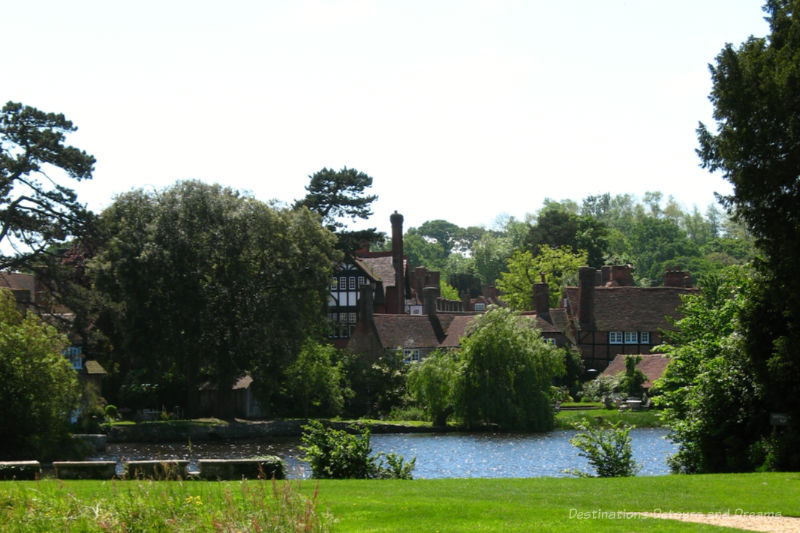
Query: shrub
600, 387
337, 454
111, 412
608, 450
432, 384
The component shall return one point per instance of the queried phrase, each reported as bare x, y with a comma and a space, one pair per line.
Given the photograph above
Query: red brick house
609, 316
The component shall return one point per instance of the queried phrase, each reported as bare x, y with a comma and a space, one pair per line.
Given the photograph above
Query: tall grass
129, 506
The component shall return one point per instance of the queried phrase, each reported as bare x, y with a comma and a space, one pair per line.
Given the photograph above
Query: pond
439, 455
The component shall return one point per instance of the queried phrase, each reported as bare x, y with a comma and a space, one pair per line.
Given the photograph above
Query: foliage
448, 292
264, 505
337, 195
632, 380
203, 283
709, 392
573, 371
523, 270
337, 454
36, 211
755, 147
507, 371
557, 226
314, 382
377, 385
39, 389
597, 389
431, 382
608, 451
569, 419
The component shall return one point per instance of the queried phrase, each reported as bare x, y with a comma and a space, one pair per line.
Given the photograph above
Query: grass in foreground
537, 504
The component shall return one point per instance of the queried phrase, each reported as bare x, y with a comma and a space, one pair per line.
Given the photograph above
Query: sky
459, 110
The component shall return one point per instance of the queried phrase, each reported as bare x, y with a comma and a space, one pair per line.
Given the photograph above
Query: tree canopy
36, 210
40, 388
756, 147
558, 265
506, 373
341, 194
204, 283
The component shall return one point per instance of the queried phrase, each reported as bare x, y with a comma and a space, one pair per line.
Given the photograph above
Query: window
351, 317
644, 337
480, 307
342, 283
361, 281
352, 282
410, 355
334, 284
631, 337
614, 337
550, 341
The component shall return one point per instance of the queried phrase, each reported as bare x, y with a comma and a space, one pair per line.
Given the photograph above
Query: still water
439, 455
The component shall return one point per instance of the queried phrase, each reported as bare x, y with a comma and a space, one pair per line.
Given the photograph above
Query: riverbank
541, 504
213, 429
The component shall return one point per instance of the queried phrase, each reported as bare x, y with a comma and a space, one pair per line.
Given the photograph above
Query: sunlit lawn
537, 504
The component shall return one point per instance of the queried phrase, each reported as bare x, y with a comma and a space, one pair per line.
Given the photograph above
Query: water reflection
444, 455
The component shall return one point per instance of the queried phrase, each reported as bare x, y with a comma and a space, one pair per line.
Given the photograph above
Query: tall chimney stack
397, 261
586, 280
541, 300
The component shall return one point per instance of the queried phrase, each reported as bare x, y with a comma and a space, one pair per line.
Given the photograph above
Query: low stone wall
170, 469
254, 468
181, 431
19, 470
84, 469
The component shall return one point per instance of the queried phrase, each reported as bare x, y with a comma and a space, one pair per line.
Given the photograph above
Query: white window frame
480, 306
550, 340
361, 281
352, 284
644, 337
614, 337
342, 283
631, 337
410, 355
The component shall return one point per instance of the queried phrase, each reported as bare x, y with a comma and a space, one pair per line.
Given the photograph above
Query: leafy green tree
490, 254
559, 226
755, 147
36, 212
203, 283
313, 382
557, 264
608, 451
508, 370
338, 195
709, 392
377, 385
431, 382
633, 378
40, 388
338, 454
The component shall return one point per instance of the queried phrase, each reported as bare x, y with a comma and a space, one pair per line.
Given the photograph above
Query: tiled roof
17, 281
458, 327
631, 308
380, 268
408, 331
653, 366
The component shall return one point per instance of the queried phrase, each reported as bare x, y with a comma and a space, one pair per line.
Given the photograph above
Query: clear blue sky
459, 110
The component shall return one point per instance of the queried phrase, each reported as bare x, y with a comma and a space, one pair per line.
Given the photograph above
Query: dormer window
480, 307
631, 337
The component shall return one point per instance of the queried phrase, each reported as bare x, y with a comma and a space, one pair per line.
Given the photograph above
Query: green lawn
640, 419
537, 504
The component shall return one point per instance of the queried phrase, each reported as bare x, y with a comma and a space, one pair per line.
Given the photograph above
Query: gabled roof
94, 368
17, 281
653, 366
458, 328
408, 331
631, 308
379, 267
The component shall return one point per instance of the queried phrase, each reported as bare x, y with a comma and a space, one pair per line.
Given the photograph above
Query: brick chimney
541, 300
677, 278
366, 305
429, 296
586, 281
397, 261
